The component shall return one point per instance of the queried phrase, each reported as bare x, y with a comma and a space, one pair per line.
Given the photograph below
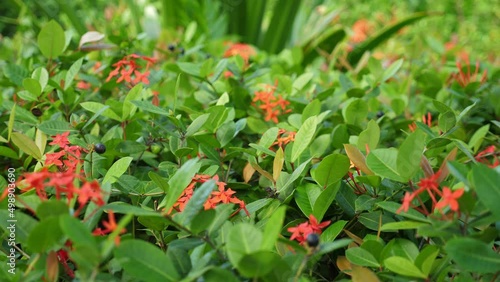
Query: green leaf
53, 127
269, 137
225, 133
12, 118
46, 236
279, 159
26, 145
124, 208
411, 214
98, 108
372, 42
33, 86
355, 112
373, 220
51, 208
473, 255
404, 267
242, 239
51, 40
76, 231
144, 261
426, 258
190, 68
273, 227
370, 136
400, 248
331, 169
477, 139
409, 155
383, 162
402, 225
258, 264
305, 197
72, 72
148, 107
159, 181
279, 30
219, 69
485, 180
117, 169
392, 70
129, 109
362, 257
202, 221
325, 199
303, 137
330, 233
196, 124
195, 204
286, 189
179, 181
223, 211
312, 109
447, 121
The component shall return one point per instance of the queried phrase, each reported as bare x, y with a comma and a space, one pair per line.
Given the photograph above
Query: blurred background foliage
313, 25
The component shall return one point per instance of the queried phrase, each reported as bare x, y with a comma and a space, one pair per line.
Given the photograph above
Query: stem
205, 238
301, 268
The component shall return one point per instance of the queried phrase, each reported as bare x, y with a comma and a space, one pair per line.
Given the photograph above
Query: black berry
36, 112
171, 47
100, 148
380, 114
312, 240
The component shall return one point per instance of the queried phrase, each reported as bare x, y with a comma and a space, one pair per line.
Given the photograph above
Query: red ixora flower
239, 49
450, 199
301, 231
273, 106
109, 226
221, 195
128, 66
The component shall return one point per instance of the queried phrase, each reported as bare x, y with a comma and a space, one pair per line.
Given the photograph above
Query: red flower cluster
427, 120
63, 181
489, 151
284, 137
431, 186
272, 106
128, 67
301, 231
68, 158
240, 49
222, 195
109, 226
465, 78
361, 29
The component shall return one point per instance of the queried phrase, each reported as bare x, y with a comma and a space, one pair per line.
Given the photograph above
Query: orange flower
283, 140
239, 49
361, 29
406, 203
301, 231
450, 199
109, 226
60, 139
465, 78
273, 106
128, 66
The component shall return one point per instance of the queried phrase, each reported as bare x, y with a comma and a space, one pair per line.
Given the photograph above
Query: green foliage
221, 158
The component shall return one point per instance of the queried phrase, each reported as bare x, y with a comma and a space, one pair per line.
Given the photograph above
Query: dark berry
36, 112
380, 114
312, 240
171, 47
100, 148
